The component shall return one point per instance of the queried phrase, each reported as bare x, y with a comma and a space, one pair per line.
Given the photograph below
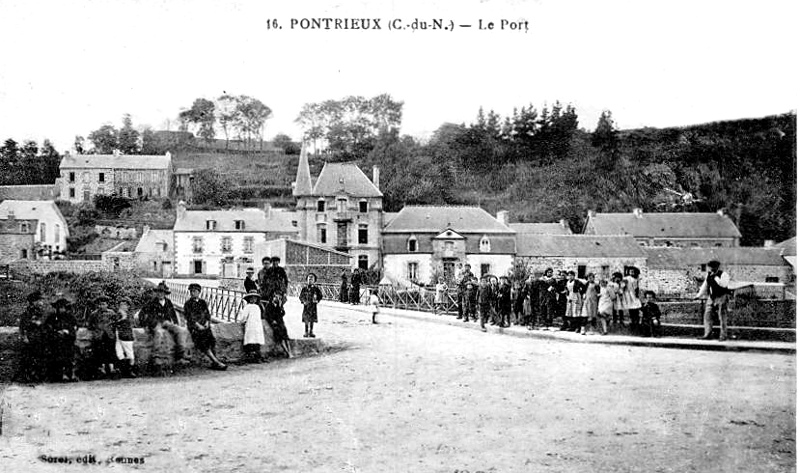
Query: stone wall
601, 267
50, 266
11, 246
686, 281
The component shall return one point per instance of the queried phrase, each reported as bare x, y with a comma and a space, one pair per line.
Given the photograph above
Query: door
449, 270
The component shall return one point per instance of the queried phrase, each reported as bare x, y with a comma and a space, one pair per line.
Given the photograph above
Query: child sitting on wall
651, 316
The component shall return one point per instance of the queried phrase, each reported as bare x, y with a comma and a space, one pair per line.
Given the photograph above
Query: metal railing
225, 304
419, 299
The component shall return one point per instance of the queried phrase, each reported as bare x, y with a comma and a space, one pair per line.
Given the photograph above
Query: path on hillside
412, 396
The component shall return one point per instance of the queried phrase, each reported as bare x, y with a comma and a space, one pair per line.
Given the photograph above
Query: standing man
31, 332
159, 318
466, 277
249, 283
715, 291
262, 276
355, 287
275, 281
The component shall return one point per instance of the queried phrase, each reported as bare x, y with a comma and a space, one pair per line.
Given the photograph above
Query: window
238, 224
42, 231
581, 271
773, 279
363, 262
248, 244
198, 266
362, 206
101, 177
72, 192
486, 269
485, 245
449, 247
362, 235
86, 195
57, 232
155, 266
294, 223
24, 254
320, 206
412, 271
72, 177
227, 244
101, 191
24, 227
341, 205
412, 244
139, 192
211, 224
197, 244
606, 270
322, 235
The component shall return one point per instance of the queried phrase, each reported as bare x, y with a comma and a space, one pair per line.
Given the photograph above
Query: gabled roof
789, 246
149, 243
435, 219
30, 209
255, 220
111, 161
665, 225
540, 228
344, 178
680, 258
30, 192
587, 246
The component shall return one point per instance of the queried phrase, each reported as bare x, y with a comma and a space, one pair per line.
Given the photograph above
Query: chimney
267, 210
563, 223
502, 217
637, 212
722, 212
168, 155
11, 215
591, 214
376, 176
181, 210
769, 243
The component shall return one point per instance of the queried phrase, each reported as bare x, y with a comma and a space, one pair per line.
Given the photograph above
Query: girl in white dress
630, 298
253, 328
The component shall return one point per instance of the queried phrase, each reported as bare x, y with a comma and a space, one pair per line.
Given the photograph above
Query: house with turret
342, 208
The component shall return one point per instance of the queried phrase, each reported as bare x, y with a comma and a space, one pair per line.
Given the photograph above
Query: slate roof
34, 192
789, 246
581, 246
347, 178
540, 228
150, 240
29, 209
111, 161
665, 225
255, 221
680, 258
302, 181
435, 219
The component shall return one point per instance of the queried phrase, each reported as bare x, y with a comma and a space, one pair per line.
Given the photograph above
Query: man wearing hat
159, 318
104, 339
249, 283
266, 265
274, 282
60, 329
198, 321
715, 291
32, 363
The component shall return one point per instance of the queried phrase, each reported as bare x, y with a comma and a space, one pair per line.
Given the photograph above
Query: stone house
682, 229
222, 242
17, 239
342, 209
82, 176
154, 253
601, 255
51, 232
422, 242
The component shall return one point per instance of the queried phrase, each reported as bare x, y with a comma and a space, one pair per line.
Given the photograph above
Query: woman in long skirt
589, 314
253, 328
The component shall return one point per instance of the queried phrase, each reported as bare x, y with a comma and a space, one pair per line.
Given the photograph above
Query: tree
202, 116
605, 137
285, 143
80, 144
104, 139
150, 144
127, 137
211, 188
225, 110
251, 114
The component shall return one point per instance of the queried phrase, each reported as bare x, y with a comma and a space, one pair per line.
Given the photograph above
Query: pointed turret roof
303, 180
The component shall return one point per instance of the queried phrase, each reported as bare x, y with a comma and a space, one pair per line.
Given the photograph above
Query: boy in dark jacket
104, 339
651, 315
60, 329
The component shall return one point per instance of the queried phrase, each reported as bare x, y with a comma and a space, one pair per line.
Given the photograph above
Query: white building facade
51, 231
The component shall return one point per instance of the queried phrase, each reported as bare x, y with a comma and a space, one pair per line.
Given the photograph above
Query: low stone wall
229, 349
742, 312
51, 266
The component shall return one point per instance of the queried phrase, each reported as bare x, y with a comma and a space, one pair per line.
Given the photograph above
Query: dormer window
485, 245
341, 205
362, 206
24, 227
211, 224
238, 224
412, 244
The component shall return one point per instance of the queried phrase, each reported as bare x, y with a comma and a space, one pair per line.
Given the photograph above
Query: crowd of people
583, 305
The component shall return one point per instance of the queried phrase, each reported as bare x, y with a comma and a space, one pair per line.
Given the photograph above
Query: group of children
581, 304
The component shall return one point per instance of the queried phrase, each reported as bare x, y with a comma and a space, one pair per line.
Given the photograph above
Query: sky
69, 67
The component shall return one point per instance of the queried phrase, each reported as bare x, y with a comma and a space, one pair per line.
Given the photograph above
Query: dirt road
408, 396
